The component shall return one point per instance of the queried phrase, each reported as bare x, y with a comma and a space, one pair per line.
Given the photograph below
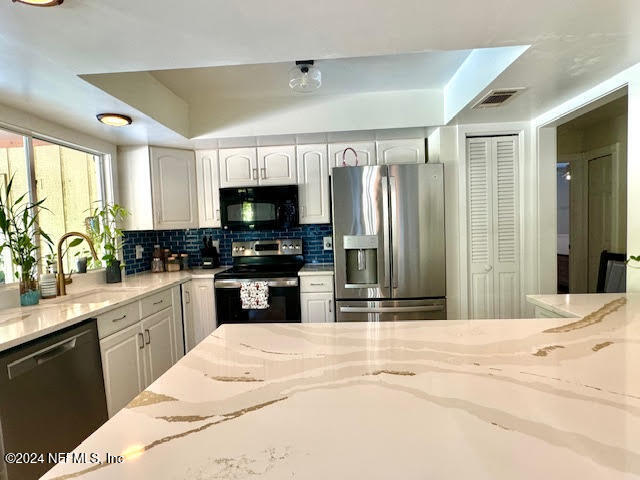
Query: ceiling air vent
498, 97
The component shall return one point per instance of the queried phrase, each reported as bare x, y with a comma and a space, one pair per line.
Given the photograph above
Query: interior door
480, 228
600, 214
416, 195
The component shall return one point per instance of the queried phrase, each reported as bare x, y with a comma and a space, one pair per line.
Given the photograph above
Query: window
69, 179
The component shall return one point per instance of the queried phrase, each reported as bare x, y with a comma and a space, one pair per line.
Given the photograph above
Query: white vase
48, 286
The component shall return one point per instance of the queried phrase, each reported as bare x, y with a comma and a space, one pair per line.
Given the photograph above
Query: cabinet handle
121, 318
316, 284
188, 295
302, 210
255, 173
148, 333
141, 345
263, 173
330, 306
158, 303
217, 214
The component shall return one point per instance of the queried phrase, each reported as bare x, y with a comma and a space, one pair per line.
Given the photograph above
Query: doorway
591, 200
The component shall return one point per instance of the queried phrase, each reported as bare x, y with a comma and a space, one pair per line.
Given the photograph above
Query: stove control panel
257, 248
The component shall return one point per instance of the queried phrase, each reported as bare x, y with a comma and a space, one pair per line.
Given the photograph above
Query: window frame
102, 169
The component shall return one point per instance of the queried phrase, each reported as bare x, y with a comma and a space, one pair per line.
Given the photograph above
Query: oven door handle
271, 282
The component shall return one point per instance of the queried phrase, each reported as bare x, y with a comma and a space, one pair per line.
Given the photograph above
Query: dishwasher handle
28, 363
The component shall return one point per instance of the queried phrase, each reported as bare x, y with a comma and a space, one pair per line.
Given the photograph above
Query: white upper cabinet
158, 186
313, 181
391, 152
365, 154
277, 165
208, 188
173, 175
238, 167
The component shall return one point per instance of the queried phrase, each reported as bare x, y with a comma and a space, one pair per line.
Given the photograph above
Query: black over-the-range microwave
259, 208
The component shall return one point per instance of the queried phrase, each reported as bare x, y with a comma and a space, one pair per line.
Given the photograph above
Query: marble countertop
22, 324
574, 304
316, 269
490, 399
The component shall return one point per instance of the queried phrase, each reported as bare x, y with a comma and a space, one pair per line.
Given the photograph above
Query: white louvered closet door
493, 224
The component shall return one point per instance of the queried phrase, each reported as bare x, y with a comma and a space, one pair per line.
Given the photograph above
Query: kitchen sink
97, 296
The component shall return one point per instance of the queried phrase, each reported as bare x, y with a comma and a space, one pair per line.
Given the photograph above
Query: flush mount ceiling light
40, 3
114, 119
304, 77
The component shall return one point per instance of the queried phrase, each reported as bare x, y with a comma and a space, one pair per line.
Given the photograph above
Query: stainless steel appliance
389, 243
259, 208
273, 261
51, 397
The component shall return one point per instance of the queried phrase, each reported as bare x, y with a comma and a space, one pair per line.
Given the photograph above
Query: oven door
284, 302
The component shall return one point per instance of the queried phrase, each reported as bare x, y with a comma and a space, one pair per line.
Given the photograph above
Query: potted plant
19, 226
103, 229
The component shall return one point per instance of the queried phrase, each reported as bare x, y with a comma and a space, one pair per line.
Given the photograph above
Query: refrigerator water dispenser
361, 252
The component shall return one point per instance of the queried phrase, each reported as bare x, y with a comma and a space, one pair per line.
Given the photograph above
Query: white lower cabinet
123, 367
316, 299
316, 307
134, 356
159, 344
204, 310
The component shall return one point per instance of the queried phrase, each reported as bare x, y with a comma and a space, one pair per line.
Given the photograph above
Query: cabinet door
188, 315
391, 152
277, 165
175, 202
204, 309
123, 367
208, 179
159, 339
365, 152
238, 167
316, 307
313, 181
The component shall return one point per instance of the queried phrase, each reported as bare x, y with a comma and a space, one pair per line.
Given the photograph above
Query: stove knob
285, 247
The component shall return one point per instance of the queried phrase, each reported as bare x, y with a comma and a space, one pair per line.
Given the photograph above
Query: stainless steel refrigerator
389, 242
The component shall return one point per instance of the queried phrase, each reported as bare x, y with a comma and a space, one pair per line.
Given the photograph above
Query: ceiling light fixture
40, 3
305, 77
114, 119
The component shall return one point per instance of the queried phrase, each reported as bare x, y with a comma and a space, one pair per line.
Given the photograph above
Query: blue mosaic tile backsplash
189, 241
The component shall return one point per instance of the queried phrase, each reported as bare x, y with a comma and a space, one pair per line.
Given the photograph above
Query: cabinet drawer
316, 283
117, 319
155, 303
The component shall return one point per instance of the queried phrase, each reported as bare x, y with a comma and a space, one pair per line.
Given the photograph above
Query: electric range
275, 262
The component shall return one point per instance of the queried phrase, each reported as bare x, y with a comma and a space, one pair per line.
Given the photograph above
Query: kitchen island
491, 399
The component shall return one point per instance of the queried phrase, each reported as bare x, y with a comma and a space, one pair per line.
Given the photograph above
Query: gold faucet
62, 280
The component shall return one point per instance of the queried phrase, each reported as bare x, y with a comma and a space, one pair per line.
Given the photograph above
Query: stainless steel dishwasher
51, 397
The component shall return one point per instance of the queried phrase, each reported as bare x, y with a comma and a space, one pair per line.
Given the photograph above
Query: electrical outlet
216, 243
139, 250
327, 242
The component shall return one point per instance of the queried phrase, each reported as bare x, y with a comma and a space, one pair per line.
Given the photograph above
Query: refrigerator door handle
385, 227
394, 206
423, 308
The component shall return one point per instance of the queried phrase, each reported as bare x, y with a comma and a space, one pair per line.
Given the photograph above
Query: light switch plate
327, 242
139, 250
